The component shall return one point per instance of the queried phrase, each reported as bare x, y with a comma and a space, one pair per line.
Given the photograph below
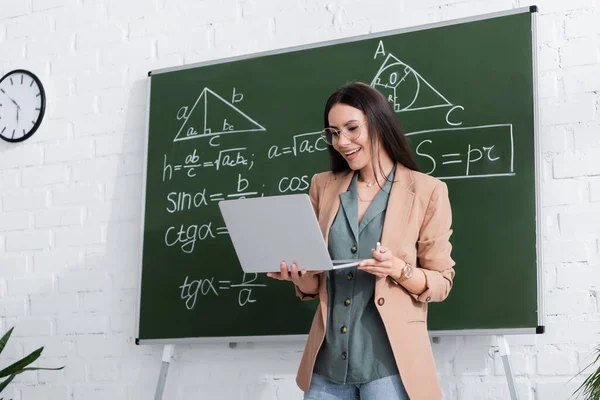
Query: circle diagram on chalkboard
405, 88
212, 115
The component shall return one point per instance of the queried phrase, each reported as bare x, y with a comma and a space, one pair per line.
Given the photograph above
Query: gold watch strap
402, 276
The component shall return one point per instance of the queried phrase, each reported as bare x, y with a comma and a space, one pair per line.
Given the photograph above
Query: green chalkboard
465, 94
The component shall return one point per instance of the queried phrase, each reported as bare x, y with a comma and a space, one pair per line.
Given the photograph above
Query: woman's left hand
382, 264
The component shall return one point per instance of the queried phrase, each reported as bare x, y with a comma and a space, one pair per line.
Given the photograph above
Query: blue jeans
389, 388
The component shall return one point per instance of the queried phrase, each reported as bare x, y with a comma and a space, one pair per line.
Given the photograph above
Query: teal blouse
356, 347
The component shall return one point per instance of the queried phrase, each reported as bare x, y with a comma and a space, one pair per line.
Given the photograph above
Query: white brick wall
11, 9
70, 198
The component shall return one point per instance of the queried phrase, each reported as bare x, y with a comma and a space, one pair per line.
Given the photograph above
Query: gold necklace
369, 184
364, 201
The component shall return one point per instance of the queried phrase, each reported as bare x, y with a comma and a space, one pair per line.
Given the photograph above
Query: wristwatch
407, 273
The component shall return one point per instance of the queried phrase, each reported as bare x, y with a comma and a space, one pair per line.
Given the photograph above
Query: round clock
22, 105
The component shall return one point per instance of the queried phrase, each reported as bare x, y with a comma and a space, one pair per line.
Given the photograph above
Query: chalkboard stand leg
164, 368
504, 352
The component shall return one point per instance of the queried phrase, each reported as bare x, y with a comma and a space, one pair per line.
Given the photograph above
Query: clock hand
10, 98
15, 103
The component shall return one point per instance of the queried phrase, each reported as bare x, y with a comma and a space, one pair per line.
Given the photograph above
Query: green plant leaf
39, 369
6, 382
19, 365
5, 339
590, 388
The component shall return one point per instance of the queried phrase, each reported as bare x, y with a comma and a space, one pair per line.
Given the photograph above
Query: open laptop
268, 230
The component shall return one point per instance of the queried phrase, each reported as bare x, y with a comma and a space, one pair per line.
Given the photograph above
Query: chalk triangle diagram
213, 115
405, 88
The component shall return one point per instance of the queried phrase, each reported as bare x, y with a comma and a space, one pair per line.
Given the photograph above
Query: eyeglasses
351, 130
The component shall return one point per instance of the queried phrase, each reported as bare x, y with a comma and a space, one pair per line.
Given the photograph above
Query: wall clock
22, 105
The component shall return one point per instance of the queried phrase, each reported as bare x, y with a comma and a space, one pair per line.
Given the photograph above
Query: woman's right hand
307, 281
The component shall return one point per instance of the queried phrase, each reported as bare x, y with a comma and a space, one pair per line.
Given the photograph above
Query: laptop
268, 230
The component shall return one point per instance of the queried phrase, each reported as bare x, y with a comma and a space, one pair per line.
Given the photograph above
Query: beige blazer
417, 230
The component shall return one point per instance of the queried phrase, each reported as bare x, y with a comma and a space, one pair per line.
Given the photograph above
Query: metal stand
164, 368
504, 352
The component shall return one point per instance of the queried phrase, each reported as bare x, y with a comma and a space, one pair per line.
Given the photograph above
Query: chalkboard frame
540, 329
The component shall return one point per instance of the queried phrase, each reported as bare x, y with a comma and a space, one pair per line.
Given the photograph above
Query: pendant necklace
363, 200
369, 184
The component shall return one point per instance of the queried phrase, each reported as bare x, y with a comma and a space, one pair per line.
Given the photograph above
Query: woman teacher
369, 338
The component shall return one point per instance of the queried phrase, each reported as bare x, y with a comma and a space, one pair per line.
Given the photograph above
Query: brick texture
71, 196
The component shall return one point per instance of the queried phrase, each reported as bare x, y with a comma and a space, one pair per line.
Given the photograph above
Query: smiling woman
22, 105
369, 337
